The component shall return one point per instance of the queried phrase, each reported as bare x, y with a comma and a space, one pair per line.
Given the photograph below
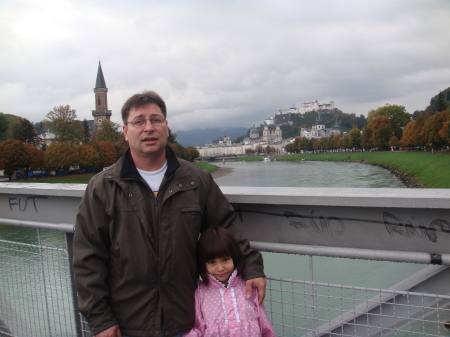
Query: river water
321, 174
294, 174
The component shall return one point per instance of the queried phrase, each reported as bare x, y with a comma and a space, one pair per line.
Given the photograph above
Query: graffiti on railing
395, 225
336, 226
22, 205
324, 225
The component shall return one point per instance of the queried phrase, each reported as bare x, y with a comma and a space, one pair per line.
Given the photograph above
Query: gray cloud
228, 63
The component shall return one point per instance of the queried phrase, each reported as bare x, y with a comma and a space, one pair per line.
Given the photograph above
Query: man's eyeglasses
140, 122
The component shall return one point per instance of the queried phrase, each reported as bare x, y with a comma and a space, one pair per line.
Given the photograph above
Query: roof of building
100, 83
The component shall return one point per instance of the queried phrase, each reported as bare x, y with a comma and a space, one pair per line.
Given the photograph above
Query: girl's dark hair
215, 243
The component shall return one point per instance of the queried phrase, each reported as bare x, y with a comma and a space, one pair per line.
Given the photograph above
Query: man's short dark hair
215, 243
144, 98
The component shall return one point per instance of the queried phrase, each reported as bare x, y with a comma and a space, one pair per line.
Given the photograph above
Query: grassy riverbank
84, 178
431, 170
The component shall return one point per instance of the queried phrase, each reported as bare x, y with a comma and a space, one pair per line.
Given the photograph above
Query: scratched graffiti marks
395, 225
22, 204
318, 224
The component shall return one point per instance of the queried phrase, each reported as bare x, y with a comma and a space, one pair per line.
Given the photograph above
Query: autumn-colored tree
354, 138
87, 155
367, 137
60, 155
408, 138
34, 158
337, 141
432, 127
394, 141
108, 154
315, 144
13, 153
398, 117
289, 148
445, 131
192, 153
63, 123
382, 131
323, 144
179, 150
109, 132
121, 146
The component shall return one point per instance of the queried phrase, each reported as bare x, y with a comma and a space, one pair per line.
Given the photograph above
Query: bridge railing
409, 226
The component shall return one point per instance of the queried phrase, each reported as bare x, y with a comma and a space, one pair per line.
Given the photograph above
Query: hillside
199, 137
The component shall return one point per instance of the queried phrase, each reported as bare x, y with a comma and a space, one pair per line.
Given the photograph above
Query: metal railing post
313, 296
76, 311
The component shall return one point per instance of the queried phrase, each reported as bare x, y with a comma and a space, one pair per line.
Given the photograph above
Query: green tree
63, 123
355, 138
290, 131
440, 104
3, 127
23, 130
60, 155
109, 132
86, 132
398, 117
13, 153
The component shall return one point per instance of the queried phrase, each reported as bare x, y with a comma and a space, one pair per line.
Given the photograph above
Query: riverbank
221, 172
415, 169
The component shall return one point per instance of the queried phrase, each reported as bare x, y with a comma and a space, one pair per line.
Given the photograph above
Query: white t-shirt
154, 178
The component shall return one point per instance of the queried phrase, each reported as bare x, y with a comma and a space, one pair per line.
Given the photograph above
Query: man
137, 230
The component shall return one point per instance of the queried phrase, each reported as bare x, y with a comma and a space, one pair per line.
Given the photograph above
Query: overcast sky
222, 63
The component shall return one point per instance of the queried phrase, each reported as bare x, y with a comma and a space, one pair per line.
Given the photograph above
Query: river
321, 174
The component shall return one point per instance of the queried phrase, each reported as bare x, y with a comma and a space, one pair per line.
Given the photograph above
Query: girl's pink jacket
226, 312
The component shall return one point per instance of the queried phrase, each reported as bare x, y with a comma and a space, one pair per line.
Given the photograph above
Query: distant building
319, 130
101, 112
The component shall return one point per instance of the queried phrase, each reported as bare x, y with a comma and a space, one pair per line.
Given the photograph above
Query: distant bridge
221, 157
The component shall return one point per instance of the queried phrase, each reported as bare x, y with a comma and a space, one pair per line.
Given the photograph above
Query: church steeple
101, 111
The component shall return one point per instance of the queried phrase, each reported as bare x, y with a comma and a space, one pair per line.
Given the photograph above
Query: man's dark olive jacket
135, 254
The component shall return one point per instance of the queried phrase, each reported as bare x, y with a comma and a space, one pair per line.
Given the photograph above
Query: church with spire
101, 112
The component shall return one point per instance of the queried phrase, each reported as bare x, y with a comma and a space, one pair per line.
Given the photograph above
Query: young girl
221, 306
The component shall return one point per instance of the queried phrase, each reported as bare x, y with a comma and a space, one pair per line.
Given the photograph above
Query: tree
60, 155
87, 155
34, 158
382, 131
354, 138
367, 137
3, 127
23, 130
440, 103
63, 123
86, 132
109, 132
432, 127
192, 153
13, 156
121, 146
394, 142
398, 117
179, 150
108, 155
